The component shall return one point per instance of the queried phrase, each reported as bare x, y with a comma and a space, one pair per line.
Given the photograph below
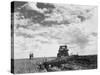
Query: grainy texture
67, 63
47, 37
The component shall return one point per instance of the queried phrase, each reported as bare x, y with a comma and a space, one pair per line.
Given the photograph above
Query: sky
40, 28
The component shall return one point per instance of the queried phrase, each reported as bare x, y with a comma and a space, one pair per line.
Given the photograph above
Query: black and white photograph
51, 37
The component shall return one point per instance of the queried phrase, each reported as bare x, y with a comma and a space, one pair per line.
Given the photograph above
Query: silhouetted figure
31, 56
63, 51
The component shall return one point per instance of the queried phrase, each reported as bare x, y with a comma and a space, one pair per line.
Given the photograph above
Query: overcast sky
41, 28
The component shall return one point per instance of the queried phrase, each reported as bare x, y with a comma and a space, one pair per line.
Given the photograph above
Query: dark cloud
48, 11
45, 5
51, 23
94, 34
33, 15
29, 13
16, 4
82, 18
21, 26
25, 35
28, 27
38, 17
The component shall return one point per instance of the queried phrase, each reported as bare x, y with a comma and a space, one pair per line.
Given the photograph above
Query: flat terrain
67, 63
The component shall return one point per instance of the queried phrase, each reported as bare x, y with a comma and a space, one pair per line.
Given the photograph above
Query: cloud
94, 34
39, 29
62, 34
16, 4
25, 35
45, 5
79, 38
59, 15
72, 35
